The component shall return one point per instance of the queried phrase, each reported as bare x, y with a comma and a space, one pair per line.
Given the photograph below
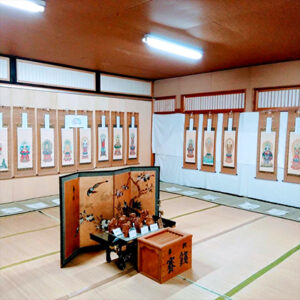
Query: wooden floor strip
28, 260
195, 211
261, 272
28, 231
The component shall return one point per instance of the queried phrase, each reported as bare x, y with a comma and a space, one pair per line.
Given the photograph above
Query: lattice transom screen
283, 98
206, 102
164, 105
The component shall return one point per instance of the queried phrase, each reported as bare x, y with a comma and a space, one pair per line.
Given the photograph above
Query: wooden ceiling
106, 34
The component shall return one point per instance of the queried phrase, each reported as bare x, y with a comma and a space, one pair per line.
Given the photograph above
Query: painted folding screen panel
190, 151
47, 141
267, 146
292, 153
5, 143
132, 138
89, 197
24, 137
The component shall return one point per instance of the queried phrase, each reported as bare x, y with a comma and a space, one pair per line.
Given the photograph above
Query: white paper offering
47, 121
118, 144
118, 121
208, 125
229, 149
1, 120
190, 146
132, 121
3, 150
24, 120
85, 145
132, 143
47, 148
269, 125
67, 146
229, 124
267, 151
24, 140
103, 121
103, 143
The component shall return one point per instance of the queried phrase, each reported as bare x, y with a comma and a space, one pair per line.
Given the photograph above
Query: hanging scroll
85, 141
267, 146
118, 138
230, 139
133, 138
292, 155
5, 143
103, 139
190, 141
24, 129
47, 141
208, 142
67, 143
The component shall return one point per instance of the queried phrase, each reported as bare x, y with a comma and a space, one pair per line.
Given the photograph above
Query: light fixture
172, 47
28, 5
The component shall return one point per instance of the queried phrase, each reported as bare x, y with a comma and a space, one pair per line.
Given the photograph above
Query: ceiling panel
106, 35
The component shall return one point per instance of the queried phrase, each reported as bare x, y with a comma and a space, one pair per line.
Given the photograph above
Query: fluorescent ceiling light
171, 47
28, 5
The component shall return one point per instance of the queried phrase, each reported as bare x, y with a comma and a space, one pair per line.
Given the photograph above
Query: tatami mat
267, 208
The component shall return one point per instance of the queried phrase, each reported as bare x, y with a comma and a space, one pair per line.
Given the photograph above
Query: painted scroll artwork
118, 144
103, 143
47, 148
267, 151
3, 150
132, 143
24, 137
294, 154
85, 145
229, 149
209, 144
67, 143
190, 146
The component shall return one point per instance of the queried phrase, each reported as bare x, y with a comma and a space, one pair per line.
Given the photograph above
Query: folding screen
67, 144
229, 143
190, 151
267, 146
85, 144
208, 162
118, 139
24, 142
47, 142
132, 138
89, 197
5, 143
103, 139
292, 150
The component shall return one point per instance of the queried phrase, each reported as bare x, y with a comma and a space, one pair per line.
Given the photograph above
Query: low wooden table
164, 254
126, 248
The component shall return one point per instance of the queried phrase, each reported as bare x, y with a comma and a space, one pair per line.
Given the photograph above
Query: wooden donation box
164, 254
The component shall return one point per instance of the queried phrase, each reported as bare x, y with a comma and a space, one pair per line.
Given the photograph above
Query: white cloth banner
168, 144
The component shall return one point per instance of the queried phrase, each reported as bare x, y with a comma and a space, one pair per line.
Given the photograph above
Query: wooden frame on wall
17, 123
106, 151
88, 165
288, 177
270, 103
53, 125
194, 152
214, 121
117, 162
61, 125
133, 160
229, 165
6, 123
260, 168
